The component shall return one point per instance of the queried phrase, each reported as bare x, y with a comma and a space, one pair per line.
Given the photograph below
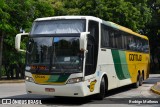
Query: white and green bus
79, 56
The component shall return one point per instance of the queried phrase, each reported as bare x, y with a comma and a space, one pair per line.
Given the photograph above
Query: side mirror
18, 41
83, 40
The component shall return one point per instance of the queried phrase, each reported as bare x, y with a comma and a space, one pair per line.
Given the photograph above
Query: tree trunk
1, 50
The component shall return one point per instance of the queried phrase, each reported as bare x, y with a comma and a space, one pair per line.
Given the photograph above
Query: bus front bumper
70, 90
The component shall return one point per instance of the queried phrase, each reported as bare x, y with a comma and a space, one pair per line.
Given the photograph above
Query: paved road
116, 96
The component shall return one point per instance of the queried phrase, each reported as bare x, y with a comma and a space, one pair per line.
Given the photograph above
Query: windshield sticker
92, 85
67, 59
56, 39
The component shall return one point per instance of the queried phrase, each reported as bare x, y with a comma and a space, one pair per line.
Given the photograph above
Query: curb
11, 81
154, 90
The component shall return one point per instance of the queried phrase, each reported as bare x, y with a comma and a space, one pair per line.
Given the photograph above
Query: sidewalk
156, 88
12, 81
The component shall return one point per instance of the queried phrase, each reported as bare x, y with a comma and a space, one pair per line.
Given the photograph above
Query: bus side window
125, 42
139, 45
104, 36
118, 40
90, 58
94, 30
111, 39
132, 44
145, 46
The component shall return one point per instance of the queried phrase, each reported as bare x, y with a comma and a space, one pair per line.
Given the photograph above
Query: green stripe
120, 64
58, 78
124, 64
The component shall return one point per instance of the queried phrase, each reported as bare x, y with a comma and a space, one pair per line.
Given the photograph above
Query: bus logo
92, 85
135, 57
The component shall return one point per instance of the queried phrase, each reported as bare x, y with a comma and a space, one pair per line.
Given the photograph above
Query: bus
78, 56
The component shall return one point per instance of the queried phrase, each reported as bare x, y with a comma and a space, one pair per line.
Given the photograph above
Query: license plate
49, 89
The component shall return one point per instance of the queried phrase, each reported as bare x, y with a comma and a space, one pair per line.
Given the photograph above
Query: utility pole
1, 50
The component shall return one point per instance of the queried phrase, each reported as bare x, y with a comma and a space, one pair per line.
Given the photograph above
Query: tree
152, 29
4, 26
133, 15
16, 15
19, 14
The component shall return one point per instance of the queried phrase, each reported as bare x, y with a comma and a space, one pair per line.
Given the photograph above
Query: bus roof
109, 23
69, 17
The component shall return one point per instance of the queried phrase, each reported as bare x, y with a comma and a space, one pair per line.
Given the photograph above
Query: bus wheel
101, 94
136, 85
140, 80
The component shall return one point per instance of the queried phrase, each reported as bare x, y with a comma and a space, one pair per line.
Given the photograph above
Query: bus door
89, 66
92, 47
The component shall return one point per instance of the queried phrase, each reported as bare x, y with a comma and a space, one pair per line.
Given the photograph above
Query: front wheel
101, 94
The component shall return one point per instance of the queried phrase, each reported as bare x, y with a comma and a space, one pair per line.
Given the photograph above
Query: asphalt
156, 88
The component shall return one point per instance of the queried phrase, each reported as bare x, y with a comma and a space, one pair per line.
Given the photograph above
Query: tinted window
113, 38
92, 47
118, 39
104, 36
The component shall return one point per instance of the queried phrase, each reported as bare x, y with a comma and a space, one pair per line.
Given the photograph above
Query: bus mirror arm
83, 41
18, 41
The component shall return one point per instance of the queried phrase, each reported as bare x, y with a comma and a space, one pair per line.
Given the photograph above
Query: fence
12, 71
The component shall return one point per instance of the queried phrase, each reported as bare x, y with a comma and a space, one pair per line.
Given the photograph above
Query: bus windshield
62, 54
39, 50
58, 26
66, 54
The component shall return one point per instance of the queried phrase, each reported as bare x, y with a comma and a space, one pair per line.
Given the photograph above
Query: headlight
74, 80
29, 79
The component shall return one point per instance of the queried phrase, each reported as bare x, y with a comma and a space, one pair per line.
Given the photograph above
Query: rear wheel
101, 94
140, 80
136, 85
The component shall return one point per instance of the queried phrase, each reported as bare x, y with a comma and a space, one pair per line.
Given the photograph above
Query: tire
140, 80
101, 94
136, 85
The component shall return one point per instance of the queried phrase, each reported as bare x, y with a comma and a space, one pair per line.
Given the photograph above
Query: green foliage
17, 14
4, 16
133, 14
42, 9
152, 29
